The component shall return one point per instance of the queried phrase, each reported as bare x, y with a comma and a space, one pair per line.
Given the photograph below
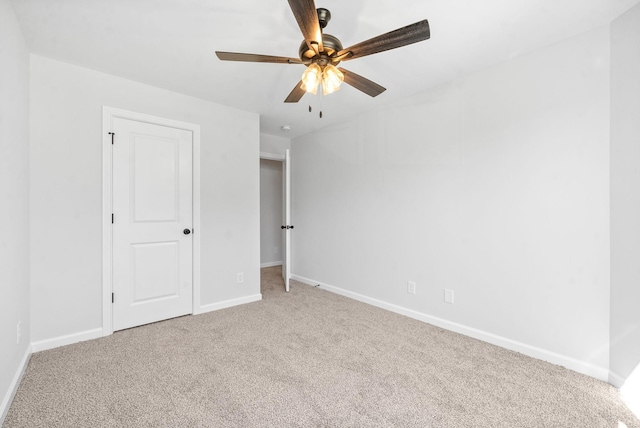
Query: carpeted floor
309, 358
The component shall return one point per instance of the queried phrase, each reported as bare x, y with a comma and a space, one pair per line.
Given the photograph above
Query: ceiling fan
321, 53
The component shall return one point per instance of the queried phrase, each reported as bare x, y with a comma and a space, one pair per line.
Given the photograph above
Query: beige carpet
309, 358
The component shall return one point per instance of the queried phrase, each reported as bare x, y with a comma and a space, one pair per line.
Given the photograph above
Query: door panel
152, 204
155, 180
155, 274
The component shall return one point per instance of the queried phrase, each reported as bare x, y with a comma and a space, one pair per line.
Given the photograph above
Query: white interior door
152, 239
286, 271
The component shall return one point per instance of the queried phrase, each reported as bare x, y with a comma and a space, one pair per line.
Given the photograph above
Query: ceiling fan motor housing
331, 46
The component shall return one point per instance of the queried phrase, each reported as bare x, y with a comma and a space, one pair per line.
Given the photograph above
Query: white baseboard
228, 304
270, 264
616, 380
523, 348
43, 345
96, 333
13, 387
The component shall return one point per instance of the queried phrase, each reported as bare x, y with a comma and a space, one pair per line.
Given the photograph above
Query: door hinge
112, 134
113, 297
112, 218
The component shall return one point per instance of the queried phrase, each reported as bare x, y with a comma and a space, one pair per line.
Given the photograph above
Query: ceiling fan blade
235, 56
296, 94
413, 33
362, 83
307, 17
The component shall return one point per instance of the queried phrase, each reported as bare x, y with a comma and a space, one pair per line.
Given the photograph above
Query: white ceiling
171, 43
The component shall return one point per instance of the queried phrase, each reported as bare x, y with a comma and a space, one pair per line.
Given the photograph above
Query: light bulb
311, 78
331, 79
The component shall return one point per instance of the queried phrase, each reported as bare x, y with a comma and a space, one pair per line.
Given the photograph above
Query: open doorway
272, 236
275, 192
271, 213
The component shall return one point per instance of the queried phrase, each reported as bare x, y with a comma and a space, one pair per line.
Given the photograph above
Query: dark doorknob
186, 231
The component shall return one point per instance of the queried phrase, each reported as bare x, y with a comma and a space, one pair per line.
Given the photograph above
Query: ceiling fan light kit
321, 53
330, 77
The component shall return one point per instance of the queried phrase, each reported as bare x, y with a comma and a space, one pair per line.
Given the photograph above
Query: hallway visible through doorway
271, 282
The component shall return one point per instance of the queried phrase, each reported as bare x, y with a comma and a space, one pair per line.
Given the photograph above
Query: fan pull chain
310, 109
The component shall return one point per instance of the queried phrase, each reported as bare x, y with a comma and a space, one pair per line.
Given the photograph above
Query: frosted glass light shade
311, 78
331, 79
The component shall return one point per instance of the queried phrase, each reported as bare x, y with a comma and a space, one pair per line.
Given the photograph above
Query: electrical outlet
240, 277
411, 287
18, 332
448, 296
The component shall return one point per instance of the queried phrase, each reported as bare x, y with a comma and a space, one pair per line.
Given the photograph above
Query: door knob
186, 231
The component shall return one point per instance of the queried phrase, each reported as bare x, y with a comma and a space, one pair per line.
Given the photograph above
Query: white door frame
287, 219
271, 156
283, 160
108, 114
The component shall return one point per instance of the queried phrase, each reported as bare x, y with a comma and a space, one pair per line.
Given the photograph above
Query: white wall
625, 197
273, 145
495, 185
66, 138
271, 243
14, 202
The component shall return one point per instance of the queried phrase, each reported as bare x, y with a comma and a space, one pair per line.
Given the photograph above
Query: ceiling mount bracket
324, 16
